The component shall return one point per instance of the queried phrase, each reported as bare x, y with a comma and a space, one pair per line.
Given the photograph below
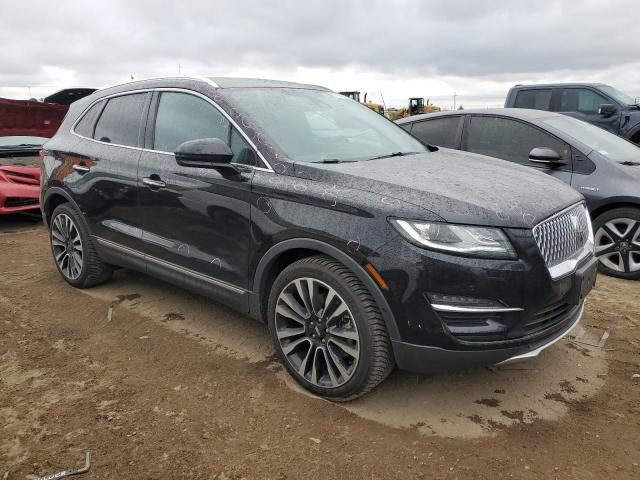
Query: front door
513, 140
583, 104
195, 222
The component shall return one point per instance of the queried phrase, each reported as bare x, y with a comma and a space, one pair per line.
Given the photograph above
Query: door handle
81, 168
153, 183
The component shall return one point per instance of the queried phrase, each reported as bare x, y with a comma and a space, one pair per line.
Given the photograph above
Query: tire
344, 341
68, 233
617, 239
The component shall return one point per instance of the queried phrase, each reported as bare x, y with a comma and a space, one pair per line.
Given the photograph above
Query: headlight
457, 239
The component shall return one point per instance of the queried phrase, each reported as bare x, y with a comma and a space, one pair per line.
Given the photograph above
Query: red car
24, 126
20, 174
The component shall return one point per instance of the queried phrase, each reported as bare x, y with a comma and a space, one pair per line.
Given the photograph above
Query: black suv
596, 103
358, 245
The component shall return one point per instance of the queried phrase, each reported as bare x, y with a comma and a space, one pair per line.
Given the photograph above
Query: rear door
533, 98
195, 222
513, 140
441, 131
583, 104
104, 167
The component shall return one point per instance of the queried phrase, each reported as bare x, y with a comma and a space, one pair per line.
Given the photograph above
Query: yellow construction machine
353, 95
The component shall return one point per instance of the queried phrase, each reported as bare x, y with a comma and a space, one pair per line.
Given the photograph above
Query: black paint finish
228, 236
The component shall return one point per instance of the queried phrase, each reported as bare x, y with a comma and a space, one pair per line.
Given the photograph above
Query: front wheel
617, 239
328, 330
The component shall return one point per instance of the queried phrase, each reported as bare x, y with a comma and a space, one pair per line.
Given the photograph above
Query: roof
215, 82
521, 113
555, 85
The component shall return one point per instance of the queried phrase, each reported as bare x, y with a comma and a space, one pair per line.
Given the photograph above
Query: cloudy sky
390, 48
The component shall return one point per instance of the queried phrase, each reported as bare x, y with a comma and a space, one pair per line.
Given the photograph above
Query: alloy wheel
618, 245
317, 332
67, 246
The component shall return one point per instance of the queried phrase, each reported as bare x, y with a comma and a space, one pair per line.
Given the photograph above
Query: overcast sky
397, 48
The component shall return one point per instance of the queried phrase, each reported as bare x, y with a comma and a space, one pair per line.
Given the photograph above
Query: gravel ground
177, 386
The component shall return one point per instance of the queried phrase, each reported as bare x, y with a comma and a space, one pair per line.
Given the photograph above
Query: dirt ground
176, 386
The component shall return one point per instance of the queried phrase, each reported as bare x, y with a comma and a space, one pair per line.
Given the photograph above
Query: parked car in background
603, 167
359, 246
601, 105
24, 127
20, 174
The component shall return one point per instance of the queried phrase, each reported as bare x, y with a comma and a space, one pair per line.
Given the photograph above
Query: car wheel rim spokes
618, 245
317, 332
67, 246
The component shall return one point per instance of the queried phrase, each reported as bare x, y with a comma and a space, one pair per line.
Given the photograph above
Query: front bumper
420, 358
18, 198
531, 310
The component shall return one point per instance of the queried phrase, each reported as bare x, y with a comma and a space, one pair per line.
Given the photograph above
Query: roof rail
170, 77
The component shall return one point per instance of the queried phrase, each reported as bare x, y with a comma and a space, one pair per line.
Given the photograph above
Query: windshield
17, 141
603, 142
315, 126
618, 95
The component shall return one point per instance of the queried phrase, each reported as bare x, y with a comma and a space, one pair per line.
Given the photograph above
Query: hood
459, 187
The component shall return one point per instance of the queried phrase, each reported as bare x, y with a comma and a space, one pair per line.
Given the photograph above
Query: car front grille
564, 238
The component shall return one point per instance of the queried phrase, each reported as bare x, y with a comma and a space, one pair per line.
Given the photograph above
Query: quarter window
182, 117
439, 131
87, 123
581, 100
510, 139
535, 99
121, 120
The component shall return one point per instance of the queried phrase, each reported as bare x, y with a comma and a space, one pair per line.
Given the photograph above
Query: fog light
456, 303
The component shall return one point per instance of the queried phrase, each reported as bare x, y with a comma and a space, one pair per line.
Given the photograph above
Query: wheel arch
595, 213
286, 252
53, 197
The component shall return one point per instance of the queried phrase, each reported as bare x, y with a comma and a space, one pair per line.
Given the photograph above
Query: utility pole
179, 69
454, 100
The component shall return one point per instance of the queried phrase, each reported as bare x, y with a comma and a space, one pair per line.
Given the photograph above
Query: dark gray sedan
603, 167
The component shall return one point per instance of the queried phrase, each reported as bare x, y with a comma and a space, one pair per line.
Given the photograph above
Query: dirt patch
153, 395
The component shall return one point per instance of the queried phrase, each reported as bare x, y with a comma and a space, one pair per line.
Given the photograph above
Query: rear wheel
72, 250
328, 330
617, 239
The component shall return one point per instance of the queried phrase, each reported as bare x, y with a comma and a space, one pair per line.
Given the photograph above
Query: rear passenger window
87, 123
580, 100
510, 139
439, 131
535, 99
182, 117
121, 120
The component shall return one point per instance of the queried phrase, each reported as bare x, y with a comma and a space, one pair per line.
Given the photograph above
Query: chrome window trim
268, 167
568, 266
170, 266
450, 308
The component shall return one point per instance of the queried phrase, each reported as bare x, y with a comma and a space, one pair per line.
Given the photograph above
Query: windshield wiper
394, 154
334, 160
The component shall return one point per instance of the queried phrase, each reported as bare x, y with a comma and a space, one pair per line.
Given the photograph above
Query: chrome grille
563, 236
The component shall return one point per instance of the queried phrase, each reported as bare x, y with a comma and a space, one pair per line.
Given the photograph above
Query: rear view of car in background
603, 167
601, 105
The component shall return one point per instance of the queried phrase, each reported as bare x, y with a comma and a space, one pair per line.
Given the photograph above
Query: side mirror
606, 109
546, 156
205, 153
